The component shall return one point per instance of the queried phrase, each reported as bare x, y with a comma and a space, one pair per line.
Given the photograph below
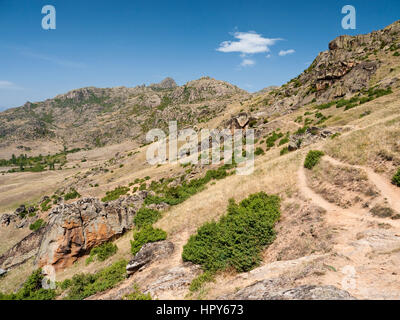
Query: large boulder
7, 218
149, 252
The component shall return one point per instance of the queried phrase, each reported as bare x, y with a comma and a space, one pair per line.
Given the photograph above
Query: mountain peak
167, 83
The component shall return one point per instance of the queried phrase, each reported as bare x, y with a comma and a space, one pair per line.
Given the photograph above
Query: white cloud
249, 43
286, 52
247, 63
8, 85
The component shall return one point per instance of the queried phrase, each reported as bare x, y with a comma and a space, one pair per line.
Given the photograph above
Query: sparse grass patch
137, 294
382, 211
37, 225
198, 282
72, 194
115, 194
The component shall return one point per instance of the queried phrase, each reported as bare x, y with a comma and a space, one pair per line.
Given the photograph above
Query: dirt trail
168, 269
388, 190
359, 243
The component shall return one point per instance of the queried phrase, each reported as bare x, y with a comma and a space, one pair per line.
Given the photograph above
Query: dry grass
277, 176
362, 146
16, 277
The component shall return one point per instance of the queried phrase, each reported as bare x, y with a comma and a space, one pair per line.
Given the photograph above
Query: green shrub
37, 225
146, 216
146, 235
31, 290
238, 238
143, 186
396, 54
115, 194
259, 151
313, 158
45, 205
283, 141
66, 284
102, 252
325, 105
273, 138
72, 194
284, 151
84, 285
137, 294
301, 131
396, 178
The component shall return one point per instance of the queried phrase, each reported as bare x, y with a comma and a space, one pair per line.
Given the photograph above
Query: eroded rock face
271, 289
148, 253
309, 292
73, 229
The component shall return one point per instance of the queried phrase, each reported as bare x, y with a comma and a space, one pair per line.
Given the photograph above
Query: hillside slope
338, 232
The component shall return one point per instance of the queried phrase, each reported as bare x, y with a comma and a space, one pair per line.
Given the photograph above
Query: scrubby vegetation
145, 235
37, 225
284, 151
38, 163
238, 238
72, 194
115, 194
84, 285
198, 282
396, 178
313, 158
137, 294
178, 194
102, 252
272, 138
46, 205
146, 216
259, 151
31, 290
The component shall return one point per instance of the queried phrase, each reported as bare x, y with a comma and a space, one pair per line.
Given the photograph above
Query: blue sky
127, 43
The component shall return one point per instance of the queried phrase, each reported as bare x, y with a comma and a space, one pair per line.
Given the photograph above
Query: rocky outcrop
271, 289
7, 218
310, 136
73, 229
167, 83
309, 292
150, 252
345, 69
